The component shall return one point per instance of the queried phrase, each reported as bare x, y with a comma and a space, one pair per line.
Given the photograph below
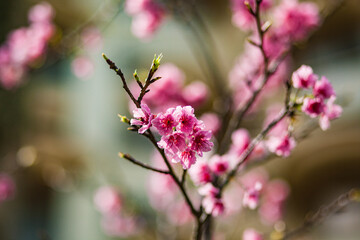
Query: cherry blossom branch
243, 157
148, 134
324, 212
143, 165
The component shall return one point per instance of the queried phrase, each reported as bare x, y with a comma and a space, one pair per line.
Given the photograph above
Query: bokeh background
60, 135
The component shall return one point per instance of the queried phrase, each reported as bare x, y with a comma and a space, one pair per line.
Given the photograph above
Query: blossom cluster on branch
164, 107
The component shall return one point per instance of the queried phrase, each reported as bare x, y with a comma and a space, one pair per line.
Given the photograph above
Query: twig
324, 212
121, 75
143, 165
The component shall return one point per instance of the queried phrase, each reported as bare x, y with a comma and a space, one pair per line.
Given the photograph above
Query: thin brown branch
118, 71
143, 165
324, 212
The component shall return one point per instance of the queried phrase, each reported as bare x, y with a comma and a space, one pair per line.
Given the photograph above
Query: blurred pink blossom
82, 67
281, 146
108, 200
251, 234
42, 12
296, 20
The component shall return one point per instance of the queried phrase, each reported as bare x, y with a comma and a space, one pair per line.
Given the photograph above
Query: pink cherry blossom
296, 20
281, 146
251, 234
143, 117
165, 123
219, 164
313, 106
323, 88
187, 158
252, 196
200, 173
186, 118
107, 200
208, 190
213, 205
332, 111
200, 142
173, 143
304, 77
7, 187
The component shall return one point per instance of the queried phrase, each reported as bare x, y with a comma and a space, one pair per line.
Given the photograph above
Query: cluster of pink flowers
321, 102
114, 222
26, 45
147, 17
7, 187
170, 90
182, 134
